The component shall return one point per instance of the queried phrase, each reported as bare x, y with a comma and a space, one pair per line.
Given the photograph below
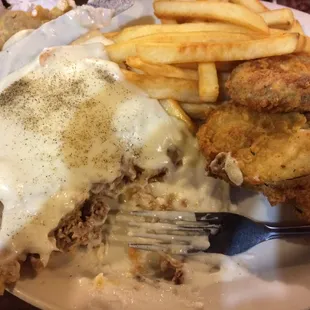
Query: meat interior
84, 226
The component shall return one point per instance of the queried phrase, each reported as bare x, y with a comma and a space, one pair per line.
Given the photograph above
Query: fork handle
275, 232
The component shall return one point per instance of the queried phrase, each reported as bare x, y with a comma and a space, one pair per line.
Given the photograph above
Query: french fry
162, 70
293, 29
145, 30
296, 27
168, 21
196, 20
283, 18
253, 5
198, 110
275, 32
214, 0
222, 66
303, 42
301, 45
208, 82
193, 66
159, 87
197, 36
87, 36
170, 53
305, 48
121, 51
223, 12
111, 35
183, 0
173, 108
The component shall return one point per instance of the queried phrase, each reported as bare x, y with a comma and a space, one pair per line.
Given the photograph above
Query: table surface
9, 301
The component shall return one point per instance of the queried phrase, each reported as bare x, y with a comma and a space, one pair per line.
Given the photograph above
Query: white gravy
67, 120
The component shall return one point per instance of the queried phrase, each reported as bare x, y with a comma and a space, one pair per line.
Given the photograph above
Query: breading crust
274, 84
271, 151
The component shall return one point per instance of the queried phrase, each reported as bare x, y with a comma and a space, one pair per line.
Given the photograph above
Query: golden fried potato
170, 53
119, 52
162, 70
198, 110
134, 32
208, 82
283, 18
159, 87
253, 5
223, 12
173, 108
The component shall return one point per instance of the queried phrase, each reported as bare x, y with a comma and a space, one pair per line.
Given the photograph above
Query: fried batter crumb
274, 84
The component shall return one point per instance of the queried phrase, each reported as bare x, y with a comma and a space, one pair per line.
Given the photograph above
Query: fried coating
271, 151
12, 22
274, 84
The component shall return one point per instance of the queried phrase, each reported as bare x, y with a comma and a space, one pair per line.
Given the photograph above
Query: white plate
279, 271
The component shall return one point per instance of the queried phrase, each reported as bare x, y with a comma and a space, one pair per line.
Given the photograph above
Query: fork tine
173, 232
160, 227
211, 217
173, 249
201, 241
167, 215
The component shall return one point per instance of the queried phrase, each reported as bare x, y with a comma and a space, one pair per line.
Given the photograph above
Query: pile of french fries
185, 60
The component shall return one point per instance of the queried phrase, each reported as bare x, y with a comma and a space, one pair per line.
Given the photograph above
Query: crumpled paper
118, 6
29, 5
57, 32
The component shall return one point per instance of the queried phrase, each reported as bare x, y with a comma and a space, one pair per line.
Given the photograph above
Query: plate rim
41, 303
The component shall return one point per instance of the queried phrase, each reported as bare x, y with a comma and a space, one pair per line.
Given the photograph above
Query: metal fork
183, 232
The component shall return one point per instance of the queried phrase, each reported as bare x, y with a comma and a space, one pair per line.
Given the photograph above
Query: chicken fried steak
275, 84
267, 152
